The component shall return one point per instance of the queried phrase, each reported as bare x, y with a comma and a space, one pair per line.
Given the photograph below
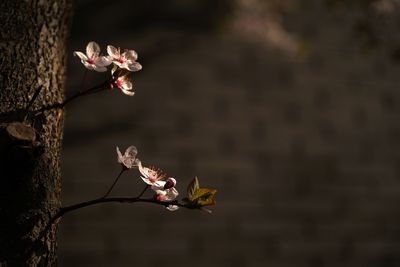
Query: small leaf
199, 197
192, 187
204, 197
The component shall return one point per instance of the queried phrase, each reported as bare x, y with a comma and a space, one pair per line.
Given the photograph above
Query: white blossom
124, 84
92, 60
166, 191
128, 160
166, 195
126, 60
151, 176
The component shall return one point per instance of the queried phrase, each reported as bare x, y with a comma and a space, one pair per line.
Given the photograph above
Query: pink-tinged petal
113, 52
99, 69
88, 65
130, 55
127, 92
103, 61
92, 50
160, 197
143, 170
127, 85
80, 55
134, 66
146, 180
172, 207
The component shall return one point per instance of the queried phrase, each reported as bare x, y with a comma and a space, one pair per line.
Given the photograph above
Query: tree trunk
32, 48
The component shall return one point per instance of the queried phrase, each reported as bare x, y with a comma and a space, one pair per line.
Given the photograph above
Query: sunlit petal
130, 55
92, 50
113, 52
80, 55
103, 61
134, 66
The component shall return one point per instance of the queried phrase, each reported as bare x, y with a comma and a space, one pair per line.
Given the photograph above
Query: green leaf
192, 187
199, 197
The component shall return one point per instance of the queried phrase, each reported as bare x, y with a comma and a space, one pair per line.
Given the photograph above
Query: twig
130, 200
94, 89
144, 190
115, 182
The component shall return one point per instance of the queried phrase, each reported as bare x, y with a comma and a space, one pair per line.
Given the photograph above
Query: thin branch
130, 200
144, 190
92, 90
115, 182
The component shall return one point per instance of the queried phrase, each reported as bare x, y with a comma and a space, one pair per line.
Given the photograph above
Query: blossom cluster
162, 185
122, 62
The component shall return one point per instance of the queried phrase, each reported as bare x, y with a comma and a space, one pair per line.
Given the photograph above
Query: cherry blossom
164, 185
126, 60
92, 60
128, 160
166, 191
167, 195
152, 176
123, 83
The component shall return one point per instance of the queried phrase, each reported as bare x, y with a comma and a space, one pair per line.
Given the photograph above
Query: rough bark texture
32, 49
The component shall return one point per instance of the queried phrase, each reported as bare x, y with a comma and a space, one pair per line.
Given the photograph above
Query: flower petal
172, 207
130, 55
127, 92
103, 61
88, 65
99, 69
92, 50
158, 186
127, 85
146, 180
143, 170
172, 193
131, 152
119, 154
80, 55
134, 66
113, 52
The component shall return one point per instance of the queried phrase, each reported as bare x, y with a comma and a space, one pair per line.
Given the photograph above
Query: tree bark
32, 48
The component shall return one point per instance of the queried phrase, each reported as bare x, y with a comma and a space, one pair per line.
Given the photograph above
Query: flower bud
171, 182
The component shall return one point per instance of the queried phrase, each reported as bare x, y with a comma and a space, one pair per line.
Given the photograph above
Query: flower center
153, 179
91, 61
121, 60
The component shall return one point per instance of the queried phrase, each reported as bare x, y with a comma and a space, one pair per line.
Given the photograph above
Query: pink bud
171, 182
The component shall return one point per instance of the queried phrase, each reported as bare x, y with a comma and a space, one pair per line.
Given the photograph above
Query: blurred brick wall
304, 150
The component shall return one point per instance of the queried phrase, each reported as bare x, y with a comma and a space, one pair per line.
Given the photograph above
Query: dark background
289, 108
